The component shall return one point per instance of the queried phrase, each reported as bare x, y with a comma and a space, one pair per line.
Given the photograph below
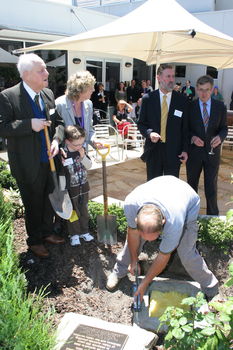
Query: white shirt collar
169, 96
30, 92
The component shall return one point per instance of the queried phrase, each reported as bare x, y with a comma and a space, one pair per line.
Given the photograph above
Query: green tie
164, 114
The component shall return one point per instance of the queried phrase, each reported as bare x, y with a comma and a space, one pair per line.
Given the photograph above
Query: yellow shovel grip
103, 155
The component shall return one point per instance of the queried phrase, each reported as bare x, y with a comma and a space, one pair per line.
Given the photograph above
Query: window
180, 71
212, 71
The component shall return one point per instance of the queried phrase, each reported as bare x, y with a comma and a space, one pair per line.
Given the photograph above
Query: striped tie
164, 114
36, 99
205, 116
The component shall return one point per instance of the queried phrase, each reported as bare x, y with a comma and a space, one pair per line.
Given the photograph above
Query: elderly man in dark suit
163, 121
22, 119
208, 127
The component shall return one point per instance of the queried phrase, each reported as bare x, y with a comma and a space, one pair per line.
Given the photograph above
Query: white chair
103, 120
229, 138
107, 134
133, 137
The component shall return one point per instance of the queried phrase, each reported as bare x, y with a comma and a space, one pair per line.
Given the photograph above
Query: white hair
26, 62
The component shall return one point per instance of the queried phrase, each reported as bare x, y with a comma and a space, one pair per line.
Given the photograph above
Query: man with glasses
208, 129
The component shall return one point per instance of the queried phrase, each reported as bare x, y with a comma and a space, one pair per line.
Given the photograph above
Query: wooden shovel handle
51, 161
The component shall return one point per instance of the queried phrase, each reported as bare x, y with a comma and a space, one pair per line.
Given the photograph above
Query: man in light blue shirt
168, 205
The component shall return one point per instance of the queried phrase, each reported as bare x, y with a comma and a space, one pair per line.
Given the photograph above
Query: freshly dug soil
76, 276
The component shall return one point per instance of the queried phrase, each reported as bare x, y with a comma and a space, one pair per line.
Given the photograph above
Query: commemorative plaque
91, 338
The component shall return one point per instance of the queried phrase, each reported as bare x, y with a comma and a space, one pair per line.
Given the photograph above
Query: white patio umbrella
158, 31
58, 62
7, 59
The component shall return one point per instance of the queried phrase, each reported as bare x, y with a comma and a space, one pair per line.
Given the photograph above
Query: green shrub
215, 232
6, 179
96, 209
25, 319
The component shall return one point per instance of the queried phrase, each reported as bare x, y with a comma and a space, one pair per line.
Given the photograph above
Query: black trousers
157, 164
38, 209
194, 168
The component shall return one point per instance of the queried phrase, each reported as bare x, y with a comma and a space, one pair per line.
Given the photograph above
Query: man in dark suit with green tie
22, 119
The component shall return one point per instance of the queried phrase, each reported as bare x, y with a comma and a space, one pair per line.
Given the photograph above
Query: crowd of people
177, 129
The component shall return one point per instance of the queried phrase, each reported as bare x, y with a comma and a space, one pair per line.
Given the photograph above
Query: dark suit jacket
217, 126
190, 97
177, 133
24, 144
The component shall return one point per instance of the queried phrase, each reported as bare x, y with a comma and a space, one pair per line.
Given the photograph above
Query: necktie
205, 117
164, 114
36, 99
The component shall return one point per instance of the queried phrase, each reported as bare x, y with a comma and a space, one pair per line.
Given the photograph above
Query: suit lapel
25, 102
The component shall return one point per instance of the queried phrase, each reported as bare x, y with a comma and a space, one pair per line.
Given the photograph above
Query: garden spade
106, 225
60, 200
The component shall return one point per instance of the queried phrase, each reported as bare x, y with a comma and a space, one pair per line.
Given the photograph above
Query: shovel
106, 225
60, 200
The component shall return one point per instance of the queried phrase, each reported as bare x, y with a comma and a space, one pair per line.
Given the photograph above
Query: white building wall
222, 21
49, 17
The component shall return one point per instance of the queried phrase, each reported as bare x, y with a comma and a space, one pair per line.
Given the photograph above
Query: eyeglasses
202, 90
77, 144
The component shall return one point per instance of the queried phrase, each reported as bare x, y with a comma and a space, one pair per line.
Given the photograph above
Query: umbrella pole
158, 58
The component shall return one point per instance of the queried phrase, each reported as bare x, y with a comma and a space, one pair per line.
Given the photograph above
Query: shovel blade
61, 203
107, 229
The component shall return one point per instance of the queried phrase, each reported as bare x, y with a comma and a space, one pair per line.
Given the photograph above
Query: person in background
76, 108
102, 100
231, 103
149, 87
163, 121
120, 116
25, 109
120, 93
216, 94
137, 109
176, 88
132, 97
208, 129
188, 90
75, 165
169, 206
179, 86
143, 89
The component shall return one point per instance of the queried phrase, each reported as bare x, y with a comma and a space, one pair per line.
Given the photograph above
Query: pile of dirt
76, 276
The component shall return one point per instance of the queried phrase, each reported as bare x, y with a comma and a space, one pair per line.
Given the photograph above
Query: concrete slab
164, 285
137, 338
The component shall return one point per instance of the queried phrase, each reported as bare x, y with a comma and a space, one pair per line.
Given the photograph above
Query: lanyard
80, 177
80, 123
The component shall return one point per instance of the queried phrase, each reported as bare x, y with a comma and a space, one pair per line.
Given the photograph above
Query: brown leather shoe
54, 240
39, 250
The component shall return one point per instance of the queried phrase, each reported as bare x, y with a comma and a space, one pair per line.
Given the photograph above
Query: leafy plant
96, 209
215, 232
25, 319
184, 333
6, 179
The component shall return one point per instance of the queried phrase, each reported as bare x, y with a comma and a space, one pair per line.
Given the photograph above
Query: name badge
178, 113
52, 111
68, 161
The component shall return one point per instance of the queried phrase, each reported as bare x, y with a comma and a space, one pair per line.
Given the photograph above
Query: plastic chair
229, 138
103, 120
134, 137
106, 133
